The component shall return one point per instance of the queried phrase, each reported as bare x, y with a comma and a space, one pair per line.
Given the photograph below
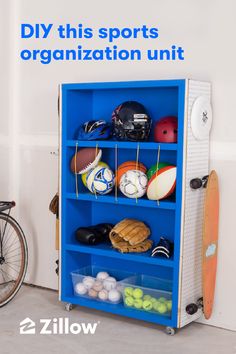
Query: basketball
100, 180
133, 184
85, 160
129, 165
162, 184
84, 175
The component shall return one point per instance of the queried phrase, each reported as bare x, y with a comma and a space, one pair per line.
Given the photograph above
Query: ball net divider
76, 174
96, 151
136, 176
156, 173
116, 172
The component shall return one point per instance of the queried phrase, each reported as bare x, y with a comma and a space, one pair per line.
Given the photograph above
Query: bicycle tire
9, 219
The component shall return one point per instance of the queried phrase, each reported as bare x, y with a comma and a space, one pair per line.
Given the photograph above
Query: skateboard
209, 243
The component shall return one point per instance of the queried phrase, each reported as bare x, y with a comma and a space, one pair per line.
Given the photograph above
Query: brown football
85, 159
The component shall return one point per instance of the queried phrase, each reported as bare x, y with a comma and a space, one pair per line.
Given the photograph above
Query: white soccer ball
133, 184
100, 180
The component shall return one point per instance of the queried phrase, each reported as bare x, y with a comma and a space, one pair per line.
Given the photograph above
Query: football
85, 160
162, 184
100, 180
133, 184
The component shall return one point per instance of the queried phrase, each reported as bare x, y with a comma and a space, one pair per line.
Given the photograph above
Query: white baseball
103, 295
109, 283
114, 295
88, 282
98, 286
80, 289
102, 276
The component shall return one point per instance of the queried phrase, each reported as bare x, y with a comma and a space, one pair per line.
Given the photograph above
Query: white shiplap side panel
196, 165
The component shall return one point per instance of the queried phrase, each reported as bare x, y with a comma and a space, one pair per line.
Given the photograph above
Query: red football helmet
165, 130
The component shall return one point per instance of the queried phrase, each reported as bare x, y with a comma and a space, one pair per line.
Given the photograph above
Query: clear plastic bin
90, 289
147, 293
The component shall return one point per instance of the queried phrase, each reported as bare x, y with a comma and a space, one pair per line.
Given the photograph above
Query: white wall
204, 28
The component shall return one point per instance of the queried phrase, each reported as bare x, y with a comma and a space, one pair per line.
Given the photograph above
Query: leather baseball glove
130, 235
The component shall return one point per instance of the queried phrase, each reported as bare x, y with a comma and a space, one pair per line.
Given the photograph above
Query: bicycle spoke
5, 254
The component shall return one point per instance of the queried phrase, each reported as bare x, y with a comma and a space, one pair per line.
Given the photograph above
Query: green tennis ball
147, 305
169, 305
137, 293
162, 299
138, 303
129, 301
161, 308
147, 297
128, 291
153, 168
153, 300
156, 305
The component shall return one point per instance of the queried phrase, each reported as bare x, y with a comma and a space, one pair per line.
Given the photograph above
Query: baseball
109, 283
97, 285
88, 282
114, 295
80, 289
103, 295
93, 293
102, 276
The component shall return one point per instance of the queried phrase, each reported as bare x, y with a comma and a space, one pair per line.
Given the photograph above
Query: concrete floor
113, 335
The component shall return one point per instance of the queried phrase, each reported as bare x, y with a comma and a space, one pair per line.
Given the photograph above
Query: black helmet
131, 122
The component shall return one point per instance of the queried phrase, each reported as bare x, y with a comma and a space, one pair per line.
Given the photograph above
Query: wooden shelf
107, 250
122, 144
110, 198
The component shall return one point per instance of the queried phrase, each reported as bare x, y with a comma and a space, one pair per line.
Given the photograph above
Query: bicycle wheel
13, 258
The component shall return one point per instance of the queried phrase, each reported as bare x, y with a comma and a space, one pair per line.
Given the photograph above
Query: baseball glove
130, 235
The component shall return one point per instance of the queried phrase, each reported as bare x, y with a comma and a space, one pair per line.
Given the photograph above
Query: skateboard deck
210, 242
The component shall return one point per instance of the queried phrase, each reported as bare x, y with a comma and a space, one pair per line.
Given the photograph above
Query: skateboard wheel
191, 309
196, 183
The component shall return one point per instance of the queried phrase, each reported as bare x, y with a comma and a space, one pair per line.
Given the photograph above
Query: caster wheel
170, 331
69, 307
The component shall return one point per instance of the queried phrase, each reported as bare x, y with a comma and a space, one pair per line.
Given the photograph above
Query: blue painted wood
122, 145
107, 251
121, 200
81, 102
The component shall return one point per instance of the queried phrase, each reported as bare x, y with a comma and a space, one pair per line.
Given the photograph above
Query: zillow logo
27, 326
57, 326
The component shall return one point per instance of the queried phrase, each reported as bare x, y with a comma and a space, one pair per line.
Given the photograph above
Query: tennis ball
129, 301
147, 297
138, 303
128, 291
156, 305
137, 293
162, 299
147, 305
153, 300
169, 305
161, 308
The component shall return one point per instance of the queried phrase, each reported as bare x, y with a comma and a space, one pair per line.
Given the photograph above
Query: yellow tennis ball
147, 297
128, 291
138, 303
169, 305
84, 175
162, 299
147, 305
129, 301
161, 308
137, 293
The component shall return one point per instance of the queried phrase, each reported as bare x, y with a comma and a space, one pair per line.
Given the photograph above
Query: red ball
165, 130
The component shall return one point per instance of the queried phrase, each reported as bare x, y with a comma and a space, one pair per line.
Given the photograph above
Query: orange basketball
129, 165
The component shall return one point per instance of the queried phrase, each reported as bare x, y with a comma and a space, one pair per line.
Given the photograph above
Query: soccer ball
100, 180
133, 184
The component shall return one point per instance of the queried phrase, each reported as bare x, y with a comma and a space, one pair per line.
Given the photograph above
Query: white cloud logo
27, 326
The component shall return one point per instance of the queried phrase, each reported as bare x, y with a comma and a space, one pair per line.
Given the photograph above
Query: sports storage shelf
122, 145
108, 251
110, 198
177, 218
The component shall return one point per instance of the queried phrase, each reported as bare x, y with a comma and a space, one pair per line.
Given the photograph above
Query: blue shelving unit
82, 102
